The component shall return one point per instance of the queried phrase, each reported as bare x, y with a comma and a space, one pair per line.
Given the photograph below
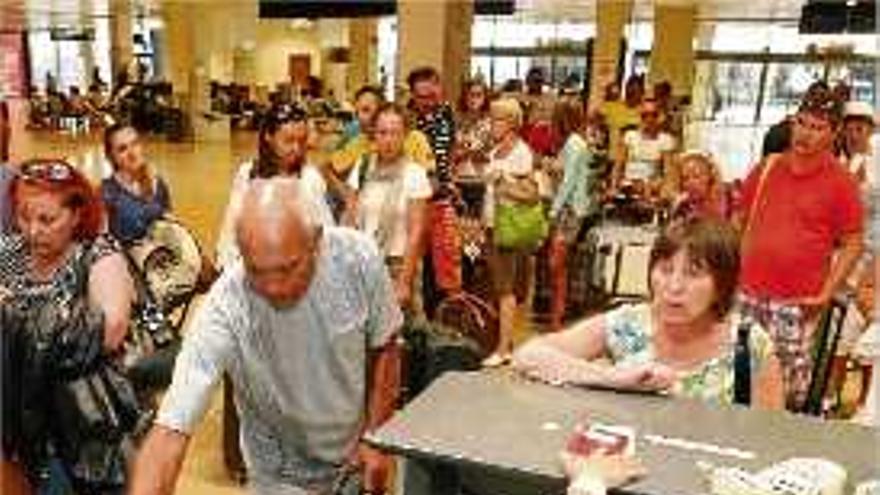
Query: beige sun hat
862, 109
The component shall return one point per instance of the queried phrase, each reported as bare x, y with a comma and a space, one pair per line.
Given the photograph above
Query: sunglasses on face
52, 171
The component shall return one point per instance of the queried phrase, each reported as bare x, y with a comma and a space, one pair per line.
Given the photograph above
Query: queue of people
325, 257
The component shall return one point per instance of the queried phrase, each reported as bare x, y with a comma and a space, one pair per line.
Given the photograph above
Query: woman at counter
682, 341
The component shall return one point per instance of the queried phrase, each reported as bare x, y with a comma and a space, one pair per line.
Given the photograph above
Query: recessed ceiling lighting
851, 3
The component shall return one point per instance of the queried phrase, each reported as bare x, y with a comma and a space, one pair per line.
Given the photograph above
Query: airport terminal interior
450, 247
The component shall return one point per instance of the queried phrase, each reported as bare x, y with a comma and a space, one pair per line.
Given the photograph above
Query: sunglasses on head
287, 113
48, 170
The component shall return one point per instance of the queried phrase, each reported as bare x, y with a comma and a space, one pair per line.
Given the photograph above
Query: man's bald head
273, 209
278, 239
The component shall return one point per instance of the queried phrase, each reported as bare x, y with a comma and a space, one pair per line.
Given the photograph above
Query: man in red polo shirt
799, 209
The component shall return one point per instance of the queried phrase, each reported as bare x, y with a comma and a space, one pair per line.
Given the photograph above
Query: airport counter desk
498, 426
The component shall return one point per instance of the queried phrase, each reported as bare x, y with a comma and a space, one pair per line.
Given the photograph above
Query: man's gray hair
276, 194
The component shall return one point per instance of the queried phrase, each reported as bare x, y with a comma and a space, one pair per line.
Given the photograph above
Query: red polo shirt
799, 220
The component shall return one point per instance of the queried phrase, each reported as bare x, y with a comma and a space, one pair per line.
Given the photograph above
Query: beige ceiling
45, 13
585, 10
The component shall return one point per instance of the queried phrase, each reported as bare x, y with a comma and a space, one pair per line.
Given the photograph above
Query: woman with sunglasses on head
65, 297
283, 145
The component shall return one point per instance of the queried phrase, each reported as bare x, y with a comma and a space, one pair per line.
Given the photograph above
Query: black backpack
431, 349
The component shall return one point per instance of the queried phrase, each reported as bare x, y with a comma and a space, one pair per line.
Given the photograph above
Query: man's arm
417, 226
383, 379
158, 463
382, 399
851, 249
203, 357
384, 384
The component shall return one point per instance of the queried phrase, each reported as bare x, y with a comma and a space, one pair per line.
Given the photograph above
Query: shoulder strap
363, 169
142, 289
769, 163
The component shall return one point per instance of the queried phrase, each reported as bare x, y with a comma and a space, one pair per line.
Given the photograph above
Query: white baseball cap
859, 109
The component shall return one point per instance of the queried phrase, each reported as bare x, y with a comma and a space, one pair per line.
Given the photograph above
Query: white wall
276, 40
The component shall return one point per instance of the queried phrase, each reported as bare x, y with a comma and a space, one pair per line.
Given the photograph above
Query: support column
363, 40
177, 49
121, 43
333, 36
199, 49
612, 16
672, 53
244, 51
86, 48
436, 34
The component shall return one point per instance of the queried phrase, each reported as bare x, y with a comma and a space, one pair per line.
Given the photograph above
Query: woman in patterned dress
65, 300
681, 341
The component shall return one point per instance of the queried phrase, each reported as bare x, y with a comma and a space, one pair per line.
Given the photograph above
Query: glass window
537, 44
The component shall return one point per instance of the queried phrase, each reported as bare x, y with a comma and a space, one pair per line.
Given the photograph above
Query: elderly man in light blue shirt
306, 326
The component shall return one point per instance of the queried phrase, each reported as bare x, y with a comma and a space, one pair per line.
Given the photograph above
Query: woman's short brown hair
711, 244
568, 116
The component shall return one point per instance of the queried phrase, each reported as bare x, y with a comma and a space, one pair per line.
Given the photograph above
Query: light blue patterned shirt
299, 373
578, 180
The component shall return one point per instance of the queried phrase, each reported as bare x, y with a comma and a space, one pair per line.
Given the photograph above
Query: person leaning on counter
681, 341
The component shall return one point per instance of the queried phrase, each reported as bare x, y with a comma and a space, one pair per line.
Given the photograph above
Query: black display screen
315, 9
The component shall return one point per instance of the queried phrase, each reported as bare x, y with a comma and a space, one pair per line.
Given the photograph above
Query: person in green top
681, 341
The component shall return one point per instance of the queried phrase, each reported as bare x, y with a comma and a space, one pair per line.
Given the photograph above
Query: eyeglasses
47, 170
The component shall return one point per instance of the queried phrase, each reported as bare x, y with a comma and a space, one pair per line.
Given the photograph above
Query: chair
825, 343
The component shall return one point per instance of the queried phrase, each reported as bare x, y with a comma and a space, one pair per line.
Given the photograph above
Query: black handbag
69, 399
430, 350
102, 419
742, 366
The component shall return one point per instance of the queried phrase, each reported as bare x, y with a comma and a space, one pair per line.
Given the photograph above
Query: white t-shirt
383, 201
313, 188
518, 163
644, 153
859, 162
